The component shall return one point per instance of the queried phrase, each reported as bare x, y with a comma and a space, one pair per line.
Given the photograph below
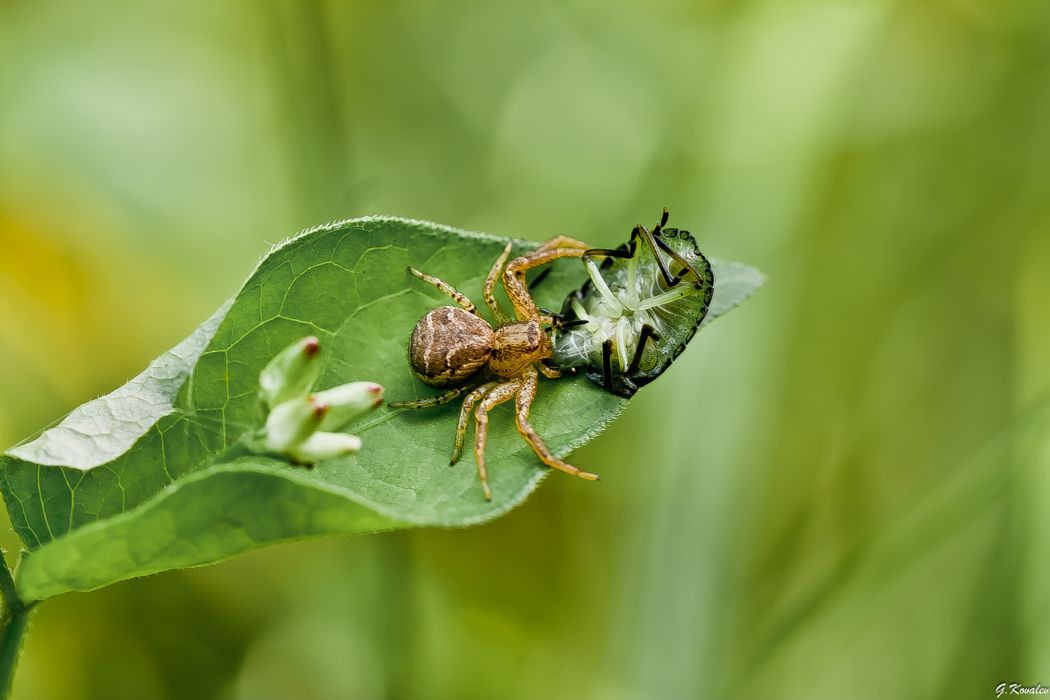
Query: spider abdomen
449, 345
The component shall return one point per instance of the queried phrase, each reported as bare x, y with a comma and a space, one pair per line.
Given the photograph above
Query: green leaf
152, 477
734, 283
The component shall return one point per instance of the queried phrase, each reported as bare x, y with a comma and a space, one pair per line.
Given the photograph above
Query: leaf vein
43, 508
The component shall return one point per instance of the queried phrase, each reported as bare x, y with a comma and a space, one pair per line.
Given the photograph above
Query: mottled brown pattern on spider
457, 348
449, 345
518, 345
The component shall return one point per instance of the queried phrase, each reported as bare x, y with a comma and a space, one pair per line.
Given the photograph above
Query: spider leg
549, 372
561, 242
647, 332
464, 415
499, 394
523, 404
497, 311
433, 400
456, 295
514, 275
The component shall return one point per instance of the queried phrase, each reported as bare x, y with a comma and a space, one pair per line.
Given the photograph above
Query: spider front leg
499, 394
497, 311
525, 396
561, 242
514, 275
550, 372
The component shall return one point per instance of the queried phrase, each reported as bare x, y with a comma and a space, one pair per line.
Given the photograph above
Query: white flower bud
292, 422
349, 401
291, 373
325, 446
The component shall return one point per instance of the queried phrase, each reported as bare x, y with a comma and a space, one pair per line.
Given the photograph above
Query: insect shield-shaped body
638, 309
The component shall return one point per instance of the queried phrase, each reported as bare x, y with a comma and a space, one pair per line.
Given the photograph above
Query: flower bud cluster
302, 424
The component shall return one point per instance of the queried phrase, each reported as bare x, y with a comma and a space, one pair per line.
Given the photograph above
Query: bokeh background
841, 490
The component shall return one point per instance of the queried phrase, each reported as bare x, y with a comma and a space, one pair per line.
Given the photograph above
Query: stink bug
638, 309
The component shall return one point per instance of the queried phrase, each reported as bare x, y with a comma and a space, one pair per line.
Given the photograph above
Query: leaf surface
152, 477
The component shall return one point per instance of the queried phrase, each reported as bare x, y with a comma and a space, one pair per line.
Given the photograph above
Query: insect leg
497, 311
433, 400
623, 327
656, 243
464, 415
647, 332
607, 364
608, 252
653, 243
525, 397
666, 297
456, 295
687, 269
499, 394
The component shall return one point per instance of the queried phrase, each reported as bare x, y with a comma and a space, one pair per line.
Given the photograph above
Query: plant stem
12, 628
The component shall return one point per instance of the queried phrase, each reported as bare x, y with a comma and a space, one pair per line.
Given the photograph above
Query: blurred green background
841, 490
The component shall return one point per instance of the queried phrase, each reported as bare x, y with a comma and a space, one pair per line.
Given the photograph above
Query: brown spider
451, 346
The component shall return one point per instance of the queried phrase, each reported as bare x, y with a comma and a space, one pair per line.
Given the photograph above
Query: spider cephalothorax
454, 347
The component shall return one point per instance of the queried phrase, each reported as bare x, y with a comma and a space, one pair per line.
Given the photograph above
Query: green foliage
155, 476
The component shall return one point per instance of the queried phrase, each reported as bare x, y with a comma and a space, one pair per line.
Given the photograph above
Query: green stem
13, 627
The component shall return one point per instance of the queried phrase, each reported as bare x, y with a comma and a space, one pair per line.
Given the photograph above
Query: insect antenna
662, 223
560, 321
